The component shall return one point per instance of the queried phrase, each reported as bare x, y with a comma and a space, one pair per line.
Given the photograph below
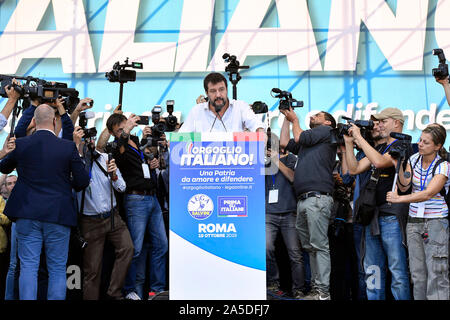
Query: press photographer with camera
313, 185
360, 181
218, 113
281, 211
97, 205
143, 212
384, 233
154, 145
427, 231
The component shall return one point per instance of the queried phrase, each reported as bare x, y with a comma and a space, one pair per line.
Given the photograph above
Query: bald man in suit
41, 203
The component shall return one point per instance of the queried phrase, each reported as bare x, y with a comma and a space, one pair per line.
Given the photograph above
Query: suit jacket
47, 169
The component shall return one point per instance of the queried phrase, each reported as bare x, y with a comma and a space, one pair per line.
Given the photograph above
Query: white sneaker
132, 296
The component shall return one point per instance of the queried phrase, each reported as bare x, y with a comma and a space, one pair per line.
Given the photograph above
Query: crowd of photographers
351, 226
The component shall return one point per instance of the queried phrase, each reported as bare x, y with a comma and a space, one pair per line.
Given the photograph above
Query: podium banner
217, 216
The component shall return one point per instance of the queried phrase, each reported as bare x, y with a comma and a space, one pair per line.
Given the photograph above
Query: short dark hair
330, 118
214, 78
115, 119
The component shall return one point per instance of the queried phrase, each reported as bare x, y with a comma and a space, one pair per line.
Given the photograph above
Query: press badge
146, 171
420, 209
273, 196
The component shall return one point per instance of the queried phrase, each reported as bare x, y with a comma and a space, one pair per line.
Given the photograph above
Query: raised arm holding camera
313, 185
13, 98
384, 232
441, 73
143, 212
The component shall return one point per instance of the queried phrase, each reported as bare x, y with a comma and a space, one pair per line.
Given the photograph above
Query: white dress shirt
97, 197
238, 117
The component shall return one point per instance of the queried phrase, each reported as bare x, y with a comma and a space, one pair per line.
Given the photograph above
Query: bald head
43, 116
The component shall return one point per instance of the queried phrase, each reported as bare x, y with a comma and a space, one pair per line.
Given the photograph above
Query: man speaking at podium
218, 113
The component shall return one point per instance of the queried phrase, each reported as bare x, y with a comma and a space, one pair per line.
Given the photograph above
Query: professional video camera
286, 100
402, 149
259, 107
342, 129
88, 132
441, 72
121, 75
45, 91
233, 71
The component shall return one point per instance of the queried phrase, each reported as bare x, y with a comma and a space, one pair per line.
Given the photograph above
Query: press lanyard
274, 176
273, 181
422, 186
389, 146
140, 154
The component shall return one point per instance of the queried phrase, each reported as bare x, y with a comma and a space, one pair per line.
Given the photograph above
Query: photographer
145, 264
427, 229
143, 212
360, 182
313, 185
97, 204
384, 237
218, 113
280, 218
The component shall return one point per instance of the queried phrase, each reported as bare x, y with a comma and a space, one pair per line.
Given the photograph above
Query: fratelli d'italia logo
200, 206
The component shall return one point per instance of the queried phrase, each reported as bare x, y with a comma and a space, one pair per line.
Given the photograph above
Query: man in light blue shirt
100, 221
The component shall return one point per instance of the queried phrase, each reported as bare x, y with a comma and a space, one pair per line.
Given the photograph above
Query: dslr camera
259, 107
88, 132
337, 134
119, 73
286, 100
441, 72
402, 148
45, 91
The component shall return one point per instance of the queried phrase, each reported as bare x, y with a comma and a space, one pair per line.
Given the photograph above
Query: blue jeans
31, 236
13, 274
284, 223
144, 218
386, 246
141, 268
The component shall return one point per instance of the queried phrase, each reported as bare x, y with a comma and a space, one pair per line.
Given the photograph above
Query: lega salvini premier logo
200, 206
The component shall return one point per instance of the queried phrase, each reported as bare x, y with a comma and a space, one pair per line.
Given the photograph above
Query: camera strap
101, 168
111, 195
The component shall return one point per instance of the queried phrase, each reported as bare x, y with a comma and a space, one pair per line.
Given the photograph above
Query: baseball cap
392, 113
